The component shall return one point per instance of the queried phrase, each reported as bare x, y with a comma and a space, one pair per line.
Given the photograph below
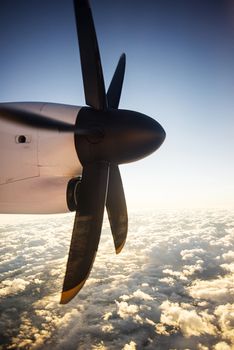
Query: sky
180, 71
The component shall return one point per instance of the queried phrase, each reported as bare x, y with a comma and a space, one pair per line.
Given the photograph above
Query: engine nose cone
141, 135
151, 134
158, 136
125, 136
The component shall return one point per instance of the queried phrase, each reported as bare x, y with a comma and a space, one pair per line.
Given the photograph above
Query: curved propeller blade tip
68, 295
119, 249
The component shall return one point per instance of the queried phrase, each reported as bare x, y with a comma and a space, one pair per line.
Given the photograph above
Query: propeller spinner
104, 137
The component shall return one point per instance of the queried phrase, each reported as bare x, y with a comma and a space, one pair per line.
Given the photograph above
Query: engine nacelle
37, 164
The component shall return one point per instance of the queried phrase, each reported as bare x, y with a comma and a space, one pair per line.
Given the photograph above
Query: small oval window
23, 139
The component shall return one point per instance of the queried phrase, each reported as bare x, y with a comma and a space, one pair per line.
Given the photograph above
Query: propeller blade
87, 228
94, 87
37, 120
116, 208
115, 88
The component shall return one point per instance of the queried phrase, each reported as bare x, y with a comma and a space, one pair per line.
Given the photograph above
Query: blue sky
180, 70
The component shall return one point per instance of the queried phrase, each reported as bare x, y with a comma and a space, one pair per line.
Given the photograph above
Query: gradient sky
180, 70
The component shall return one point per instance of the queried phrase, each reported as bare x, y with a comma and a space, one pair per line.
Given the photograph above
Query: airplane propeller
105, 137
101, 181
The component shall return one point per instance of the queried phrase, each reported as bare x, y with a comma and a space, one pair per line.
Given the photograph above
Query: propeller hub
122, 136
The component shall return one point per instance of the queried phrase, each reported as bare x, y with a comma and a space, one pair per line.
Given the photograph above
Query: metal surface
115, 88
94, 87
87, 228
117, 209
34, 175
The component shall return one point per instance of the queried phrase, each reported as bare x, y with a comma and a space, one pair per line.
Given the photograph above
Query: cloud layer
170, 288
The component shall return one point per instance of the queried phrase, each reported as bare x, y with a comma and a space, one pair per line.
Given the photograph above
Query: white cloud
219, 290
186, 319
107, 328
168, 280
130, 346
124, 310
138, 294
229, 256
170, 259
178, 274
188, 254
141, 295
225, 314
228, 267
189, 270
107, 316
15, 286
222, 346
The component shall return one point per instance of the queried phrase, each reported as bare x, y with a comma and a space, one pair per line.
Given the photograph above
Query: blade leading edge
117, 209
115, 88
